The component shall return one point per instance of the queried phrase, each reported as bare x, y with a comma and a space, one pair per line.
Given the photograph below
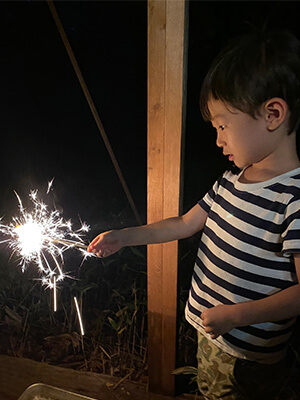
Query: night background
48, 130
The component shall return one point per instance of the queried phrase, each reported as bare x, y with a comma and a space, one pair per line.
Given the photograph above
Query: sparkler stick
69, 243
79, 316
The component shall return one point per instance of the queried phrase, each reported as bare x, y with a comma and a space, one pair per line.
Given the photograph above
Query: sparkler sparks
41, 237
79, 316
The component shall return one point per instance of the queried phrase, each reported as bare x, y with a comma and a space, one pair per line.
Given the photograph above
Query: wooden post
166, 28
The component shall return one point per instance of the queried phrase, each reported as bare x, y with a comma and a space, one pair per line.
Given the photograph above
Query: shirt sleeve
208, 199
291, 235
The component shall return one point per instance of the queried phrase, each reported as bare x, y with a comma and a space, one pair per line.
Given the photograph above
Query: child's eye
222, 127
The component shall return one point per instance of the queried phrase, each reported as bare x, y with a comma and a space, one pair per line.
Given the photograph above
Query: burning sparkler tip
41, 237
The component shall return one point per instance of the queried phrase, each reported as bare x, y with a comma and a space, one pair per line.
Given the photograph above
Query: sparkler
79, 316
41, 237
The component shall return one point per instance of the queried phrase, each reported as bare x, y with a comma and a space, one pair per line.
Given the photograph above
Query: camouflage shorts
222, 376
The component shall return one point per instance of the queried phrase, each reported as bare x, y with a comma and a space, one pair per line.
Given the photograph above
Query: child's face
244, 140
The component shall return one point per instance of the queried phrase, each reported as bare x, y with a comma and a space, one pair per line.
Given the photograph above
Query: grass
112, 296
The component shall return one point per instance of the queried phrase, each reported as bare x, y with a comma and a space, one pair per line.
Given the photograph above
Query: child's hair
254, 69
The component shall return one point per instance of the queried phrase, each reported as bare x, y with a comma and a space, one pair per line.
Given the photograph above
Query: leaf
137, 252
13, 315
121, 330
106, 263
90, 286
121, 311
187, 370
113, 324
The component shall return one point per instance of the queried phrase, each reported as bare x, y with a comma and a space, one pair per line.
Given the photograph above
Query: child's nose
220, 140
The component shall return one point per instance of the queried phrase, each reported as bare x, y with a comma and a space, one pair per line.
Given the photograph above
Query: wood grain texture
166, 33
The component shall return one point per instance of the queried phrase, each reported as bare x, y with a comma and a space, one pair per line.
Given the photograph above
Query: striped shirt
246, 253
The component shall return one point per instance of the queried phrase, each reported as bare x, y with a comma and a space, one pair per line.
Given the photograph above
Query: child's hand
218, 320
106, 244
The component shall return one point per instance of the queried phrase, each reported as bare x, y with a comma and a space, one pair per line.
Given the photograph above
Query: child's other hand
106, 244
218, 320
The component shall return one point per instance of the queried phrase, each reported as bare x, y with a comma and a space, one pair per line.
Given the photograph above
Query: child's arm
166, 230
282, 305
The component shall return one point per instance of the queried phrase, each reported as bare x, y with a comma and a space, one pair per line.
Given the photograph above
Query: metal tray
39, 391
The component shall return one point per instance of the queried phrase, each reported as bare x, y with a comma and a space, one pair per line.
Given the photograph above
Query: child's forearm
223, 318
159, 232
165, 230
108, 243
282, 305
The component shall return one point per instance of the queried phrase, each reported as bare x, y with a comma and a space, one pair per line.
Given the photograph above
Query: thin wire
93, 108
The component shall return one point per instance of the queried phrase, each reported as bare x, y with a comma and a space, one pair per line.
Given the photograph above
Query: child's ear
275, 111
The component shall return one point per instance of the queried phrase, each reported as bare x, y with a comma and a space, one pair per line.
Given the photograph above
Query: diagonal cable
93, 108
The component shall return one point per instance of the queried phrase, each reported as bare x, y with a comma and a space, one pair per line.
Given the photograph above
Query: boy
245, 292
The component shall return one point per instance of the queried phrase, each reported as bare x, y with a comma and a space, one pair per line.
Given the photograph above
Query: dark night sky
212, 24
46, 125
47, 128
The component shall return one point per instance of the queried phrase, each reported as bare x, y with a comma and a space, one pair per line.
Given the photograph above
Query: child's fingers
94, 243
91, 246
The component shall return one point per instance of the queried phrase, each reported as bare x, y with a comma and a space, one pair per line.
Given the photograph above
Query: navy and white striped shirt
246, 253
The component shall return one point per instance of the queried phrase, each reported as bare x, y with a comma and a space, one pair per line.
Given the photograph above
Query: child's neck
283, 158
257, 173
251, 176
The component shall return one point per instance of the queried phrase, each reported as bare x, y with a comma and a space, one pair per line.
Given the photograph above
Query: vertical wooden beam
166, 29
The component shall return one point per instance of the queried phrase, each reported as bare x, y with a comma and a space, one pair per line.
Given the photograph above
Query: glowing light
30, 236
79, 316
41, 237
54, 295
